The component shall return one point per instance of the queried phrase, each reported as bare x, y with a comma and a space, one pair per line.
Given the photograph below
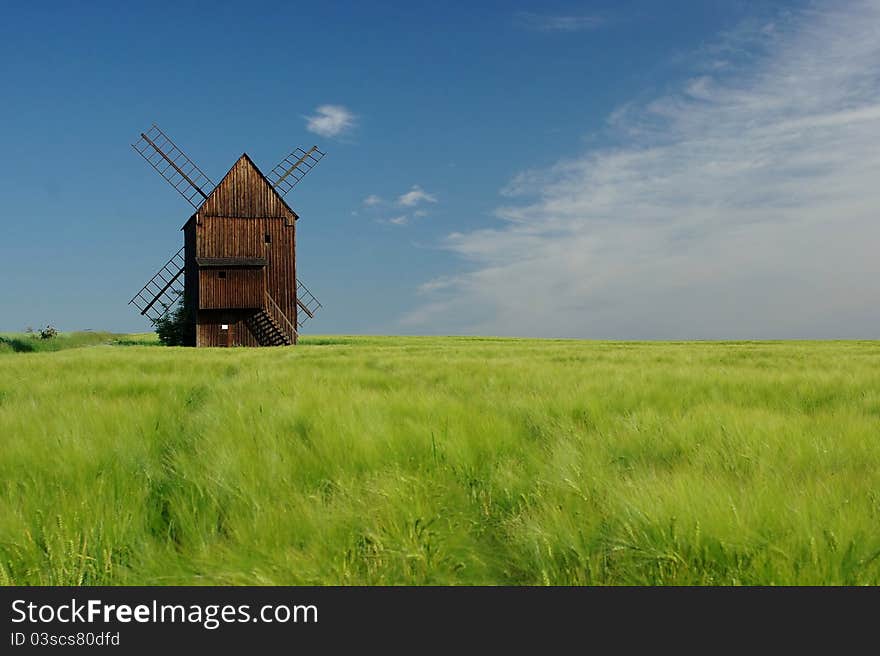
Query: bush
49, 332
16, 345
173, 328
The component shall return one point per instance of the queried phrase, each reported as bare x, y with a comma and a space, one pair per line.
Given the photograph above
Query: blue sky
604, 170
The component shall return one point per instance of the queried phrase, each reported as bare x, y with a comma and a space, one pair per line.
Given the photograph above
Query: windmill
236, 272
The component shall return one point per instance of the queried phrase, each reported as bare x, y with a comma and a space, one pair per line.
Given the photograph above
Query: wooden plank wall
281, 266
243, 287
225, 237
231, 237
210, 332
190, 281
234, 222
244, 192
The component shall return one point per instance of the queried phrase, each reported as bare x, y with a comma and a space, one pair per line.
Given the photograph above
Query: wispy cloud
743, 205
401, 220
415, 196
331, 121
437, 284
411, 199
558, 23
404, 219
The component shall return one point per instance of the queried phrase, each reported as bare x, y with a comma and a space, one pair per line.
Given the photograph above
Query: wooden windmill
238, 261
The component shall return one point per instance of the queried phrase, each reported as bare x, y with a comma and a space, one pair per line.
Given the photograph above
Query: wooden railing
280, 319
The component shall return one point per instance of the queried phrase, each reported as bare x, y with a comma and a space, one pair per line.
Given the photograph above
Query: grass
31, 343
397, 460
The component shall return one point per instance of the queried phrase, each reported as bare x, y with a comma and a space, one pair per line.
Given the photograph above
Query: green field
404, 460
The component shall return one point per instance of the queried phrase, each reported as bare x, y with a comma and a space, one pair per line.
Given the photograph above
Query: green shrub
16, 345
173, 328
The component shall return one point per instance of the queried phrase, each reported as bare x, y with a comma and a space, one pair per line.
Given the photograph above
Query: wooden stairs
267, 332
271, 326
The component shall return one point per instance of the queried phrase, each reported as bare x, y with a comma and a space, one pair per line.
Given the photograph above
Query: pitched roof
262, 199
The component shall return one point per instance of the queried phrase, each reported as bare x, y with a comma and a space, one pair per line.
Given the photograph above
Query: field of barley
421, 460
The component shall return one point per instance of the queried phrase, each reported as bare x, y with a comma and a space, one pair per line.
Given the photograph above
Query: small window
224, 326
267, 238
221, 274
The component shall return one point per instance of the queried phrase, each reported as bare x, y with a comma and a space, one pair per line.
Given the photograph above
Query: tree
174, 327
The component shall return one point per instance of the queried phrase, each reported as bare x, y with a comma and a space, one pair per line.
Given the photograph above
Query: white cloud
437, 284
415, 196
558, 23
404, 219
745, 205
330, 121
372, 200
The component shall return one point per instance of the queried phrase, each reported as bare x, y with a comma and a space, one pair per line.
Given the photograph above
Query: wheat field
423, 460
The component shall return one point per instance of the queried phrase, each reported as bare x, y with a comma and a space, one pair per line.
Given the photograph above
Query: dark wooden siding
242, 287
190, 281
219, 237
281, 266
228, 237
210, 332
244, 193
234, 223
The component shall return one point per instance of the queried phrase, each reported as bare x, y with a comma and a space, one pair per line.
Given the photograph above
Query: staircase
267, 332
271, 327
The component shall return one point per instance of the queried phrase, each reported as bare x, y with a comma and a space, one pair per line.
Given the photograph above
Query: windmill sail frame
158, 296
293, 168
174, 165
235, 277
306, 302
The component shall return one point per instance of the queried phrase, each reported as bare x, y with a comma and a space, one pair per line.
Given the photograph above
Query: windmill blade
306, 302
173, 165
293, 168
159, 295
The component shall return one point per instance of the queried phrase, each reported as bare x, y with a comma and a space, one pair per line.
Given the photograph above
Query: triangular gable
245, 192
